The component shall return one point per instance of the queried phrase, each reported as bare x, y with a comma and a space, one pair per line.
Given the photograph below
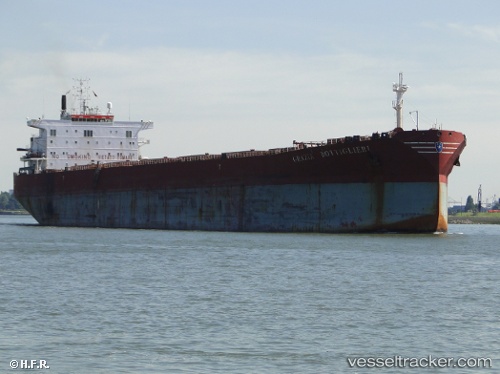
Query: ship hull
349, 207
377, 185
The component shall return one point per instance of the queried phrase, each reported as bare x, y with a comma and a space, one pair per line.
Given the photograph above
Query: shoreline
486, 218
13, 212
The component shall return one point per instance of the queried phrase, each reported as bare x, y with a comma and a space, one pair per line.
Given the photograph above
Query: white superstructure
82, 137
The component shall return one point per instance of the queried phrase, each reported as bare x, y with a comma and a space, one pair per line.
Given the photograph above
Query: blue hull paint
349, 207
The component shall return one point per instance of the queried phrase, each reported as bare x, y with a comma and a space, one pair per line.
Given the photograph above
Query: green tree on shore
469, 205
9, 202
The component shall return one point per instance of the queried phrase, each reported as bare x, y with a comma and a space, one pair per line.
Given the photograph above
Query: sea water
85, 300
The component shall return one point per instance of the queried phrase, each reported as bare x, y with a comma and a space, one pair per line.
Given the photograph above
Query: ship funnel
64, 114
397, 104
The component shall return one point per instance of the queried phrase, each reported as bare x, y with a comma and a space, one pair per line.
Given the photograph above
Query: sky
220, 76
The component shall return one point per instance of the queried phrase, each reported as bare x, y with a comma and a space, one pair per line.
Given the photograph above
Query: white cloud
486, 33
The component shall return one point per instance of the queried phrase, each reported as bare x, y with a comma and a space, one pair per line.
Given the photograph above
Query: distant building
456, 209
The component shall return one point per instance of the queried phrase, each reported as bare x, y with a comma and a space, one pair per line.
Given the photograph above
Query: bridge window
88, 133
128, 134
52, 132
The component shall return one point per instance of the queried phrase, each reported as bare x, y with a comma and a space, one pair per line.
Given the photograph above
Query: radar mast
397, 104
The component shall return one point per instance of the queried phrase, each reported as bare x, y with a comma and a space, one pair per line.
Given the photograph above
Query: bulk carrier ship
85, 170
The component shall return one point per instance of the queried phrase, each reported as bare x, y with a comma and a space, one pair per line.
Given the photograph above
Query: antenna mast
397, 104
415, 111
81, 94
479, 198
